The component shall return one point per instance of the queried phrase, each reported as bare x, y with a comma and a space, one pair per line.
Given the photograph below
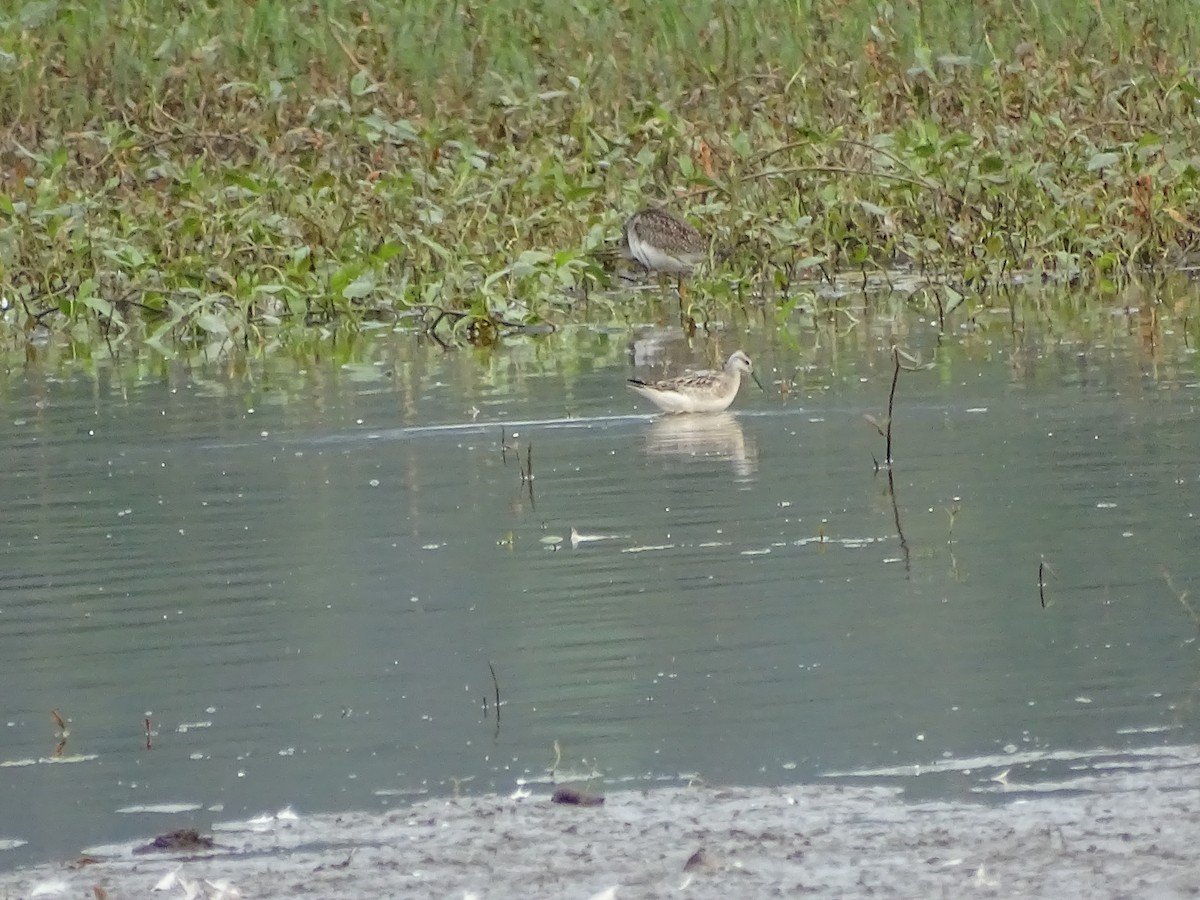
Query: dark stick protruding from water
896, 517
886, 431
527, 472
496, 685
892, 406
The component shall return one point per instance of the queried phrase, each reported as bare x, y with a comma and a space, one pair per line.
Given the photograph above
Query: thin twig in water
1044, 569
496, 685
887, 460
896, 518
527, 473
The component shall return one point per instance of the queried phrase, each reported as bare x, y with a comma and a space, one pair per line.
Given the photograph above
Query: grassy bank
230, 172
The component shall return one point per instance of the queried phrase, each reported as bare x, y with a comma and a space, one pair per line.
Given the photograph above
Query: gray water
301, 576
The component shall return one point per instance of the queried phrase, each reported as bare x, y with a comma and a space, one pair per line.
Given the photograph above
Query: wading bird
664, 243
698, 392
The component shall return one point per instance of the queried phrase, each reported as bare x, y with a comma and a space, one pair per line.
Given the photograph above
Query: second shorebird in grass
698, 392
664, 243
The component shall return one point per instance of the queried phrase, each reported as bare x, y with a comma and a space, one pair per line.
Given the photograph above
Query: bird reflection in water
716, 436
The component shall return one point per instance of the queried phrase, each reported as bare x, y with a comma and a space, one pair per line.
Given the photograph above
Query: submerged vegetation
231, 174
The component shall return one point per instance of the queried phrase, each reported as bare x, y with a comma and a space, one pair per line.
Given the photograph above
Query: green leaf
361, 84
212, 323
242, 180
387, 251
496, 276
991, 164
809, 261
340, 279
1102, 161
437, 248
360, 287
529, 261
103, 307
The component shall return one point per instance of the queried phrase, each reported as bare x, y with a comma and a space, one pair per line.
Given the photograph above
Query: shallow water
1125, 829
301, 578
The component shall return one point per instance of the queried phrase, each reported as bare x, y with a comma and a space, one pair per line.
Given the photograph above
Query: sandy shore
1119, 834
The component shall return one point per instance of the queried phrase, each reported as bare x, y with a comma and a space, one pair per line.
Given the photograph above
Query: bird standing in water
698, 392
664, 243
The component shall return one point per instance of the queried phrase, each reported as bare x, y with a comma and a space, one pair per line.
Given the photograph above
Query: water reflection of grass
231, 175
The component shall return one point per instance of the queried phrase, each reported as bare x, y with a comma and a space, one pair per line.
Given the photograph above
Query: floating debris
185, 840
577, 538
576, 797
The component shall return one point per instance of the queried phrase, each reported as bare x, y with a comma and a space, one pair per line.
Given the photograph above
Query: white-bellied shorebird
698, 392
664, 243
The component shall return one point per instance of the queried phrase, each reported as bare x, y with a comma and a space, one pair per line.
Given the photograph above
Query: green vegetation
233, 174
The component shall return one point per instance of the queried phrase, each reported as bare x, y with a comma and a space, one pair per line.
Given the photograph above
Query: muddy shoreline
1117, 834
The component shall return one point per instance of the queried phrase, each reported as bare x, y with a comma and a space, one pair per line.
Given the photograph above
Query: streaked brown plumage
664, 243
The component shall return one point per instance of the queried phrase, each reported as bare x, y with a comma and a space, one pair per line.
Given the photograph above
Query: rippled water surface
303, 580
